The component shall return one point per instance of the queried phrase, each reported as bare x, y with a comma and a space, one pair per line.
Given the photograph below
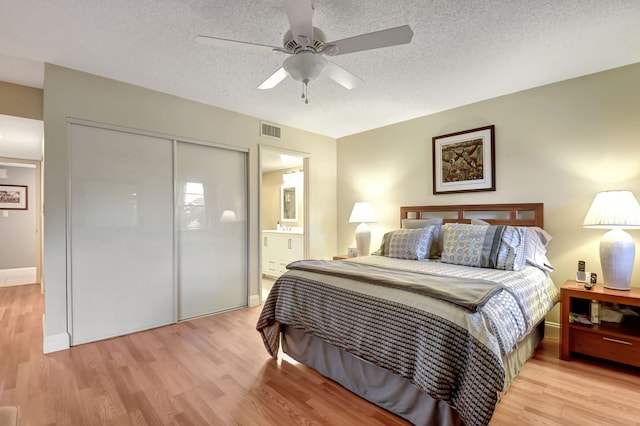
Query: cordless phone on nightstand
593, 277
581, 275
589, 279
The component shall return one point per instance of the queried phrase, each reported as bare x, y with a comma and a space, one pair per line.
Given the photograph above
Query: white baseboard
254, 300
55, 343
552, 329
18, 276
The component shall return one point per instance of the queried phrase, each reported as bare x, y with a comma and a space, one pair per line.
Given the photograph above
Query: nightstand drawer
602, 345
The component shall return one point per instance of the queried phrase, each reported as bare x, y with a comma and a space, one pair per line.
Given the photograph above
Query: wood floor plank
193, 406
158, 398
215, 371
174, 376
148, 411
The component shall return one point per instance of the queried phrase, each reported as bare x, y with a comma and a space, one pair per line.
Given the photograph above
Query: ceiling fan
307, 47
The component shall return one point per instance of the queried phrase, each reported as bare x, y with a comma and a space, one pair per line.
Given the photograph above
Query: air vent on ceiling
270, 130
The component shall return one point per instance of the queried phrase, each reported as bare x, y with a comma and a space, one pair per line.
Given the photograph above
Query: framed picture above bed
464, 161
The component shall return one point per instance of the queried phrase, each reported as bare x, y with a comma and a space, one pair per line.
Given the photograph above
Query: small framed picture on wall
14, 197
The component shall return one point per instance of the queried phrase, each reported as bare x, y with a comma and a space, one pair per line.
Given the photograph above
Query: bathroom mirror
289, 205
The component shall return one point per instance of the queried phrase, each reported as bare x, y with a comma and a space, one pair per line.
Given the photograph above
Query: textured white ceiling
463, 51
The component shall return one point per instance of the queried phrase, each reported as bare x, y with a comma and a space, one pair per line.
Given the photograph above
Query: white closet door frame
174, 140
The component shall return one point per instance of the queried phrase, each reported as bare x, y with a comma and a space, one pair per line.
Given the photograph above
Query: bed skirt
387, 390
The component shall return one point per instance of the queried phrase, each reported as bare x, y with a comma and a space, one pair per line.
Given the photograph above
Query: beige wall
21, 101
558, 144
79, 95
271, 209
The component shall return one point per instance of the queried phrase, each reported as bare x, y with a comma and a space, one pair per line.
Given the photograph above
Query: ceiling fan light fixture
305, 66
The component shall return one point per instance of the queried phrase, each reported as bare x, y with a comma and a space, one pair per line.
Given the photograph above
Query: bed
436, 324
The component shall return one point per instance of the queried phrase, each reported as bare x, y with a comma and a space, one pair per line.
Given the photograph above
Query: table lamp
615, 210
362, 213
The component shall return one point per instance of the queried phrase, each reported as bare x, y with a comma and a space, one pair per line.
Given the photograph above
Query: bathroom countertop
292, 231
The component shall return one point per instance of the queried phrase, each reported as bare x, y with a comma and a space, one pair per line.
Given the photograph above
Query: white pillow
536, 243
479, 222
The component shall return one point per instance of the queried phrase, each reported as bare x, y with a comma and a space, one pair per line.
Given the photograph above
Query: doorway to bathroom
283, 212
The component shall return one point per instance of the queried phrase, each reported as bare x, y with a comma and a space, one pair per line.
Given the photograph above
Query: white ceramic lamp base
363, 239
617, 254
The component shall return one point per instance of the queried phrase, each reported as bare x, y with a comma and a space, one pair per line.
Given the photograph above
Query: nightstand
618, 342
342, 257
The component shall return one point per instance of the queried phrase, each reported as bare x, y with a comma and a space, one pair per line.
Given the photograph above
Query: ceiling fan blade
223, 42
300, 13
341, 76
374, 40
274, 79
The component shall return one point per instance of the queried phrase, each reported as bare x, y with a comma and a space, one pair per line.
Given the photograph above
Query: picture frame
14, 197
289, 204
464, 161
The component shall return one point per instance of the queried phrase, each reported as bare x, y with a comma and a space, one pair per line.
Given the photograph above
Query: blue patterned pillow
436, 240
512, 251
485, 246
407, 243
410, 243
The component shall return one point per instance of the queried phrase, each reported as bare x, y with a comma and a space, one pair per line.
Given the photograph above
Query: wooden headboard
526, 214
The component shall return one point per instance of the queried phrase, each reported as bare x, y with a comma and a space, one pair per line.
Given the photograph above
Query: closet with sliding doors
157, 230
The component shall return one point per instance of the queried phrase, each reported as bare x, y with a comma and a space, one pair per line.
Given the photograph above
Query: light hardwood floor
215, 370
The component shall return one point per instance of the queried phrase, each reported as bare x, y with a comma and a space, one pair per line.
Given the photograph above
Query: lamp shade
613, 209
362, 213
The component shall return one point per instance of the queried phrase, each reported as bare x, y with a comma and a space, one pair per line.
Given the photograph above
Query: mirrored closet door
157, 230
121, 233
211, 208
